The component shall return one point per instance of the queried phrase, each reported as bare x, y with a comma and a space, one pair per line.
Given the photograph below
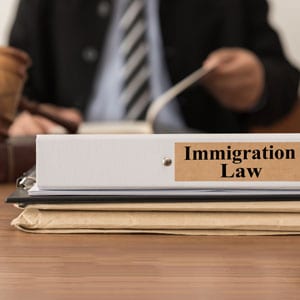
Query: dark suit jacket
65, 39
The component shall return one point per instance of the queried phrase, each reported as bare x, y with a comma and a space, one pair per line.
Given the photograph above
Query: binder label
278, 161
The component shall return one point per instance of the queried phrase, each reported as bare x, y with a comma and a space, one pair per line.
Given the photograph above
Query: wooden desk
144, 266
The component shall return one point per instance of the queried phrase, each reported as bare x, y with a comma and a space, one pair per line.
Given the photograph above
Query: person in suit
72, 44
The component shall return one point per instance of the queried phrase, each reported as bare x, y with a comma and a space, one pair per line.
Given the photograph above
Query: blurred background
284, 16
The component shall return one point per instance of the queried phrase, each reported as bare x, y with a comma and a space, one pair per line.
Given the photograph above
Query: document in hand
147, 126
168, 162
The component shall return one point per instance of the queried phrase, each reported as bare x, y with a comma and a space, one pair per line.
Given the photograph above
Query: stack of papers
152, 184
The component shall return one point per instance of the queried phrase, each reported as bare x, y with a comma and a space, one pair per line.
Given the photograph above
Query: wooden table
144, 266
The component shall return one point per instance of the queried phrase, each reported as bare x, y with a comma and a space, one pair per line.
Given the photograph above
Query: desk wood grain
144, 266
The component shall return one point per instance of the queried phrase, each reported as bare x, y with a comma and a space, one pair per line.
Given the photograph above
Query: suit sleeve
282, 79
30, 33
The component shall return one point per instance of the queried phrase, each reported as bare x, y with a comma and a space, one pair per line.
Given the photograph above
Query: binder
163, 162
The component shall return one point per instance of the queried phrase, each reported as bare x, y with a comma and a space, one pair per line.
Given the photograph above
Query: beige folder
206, 218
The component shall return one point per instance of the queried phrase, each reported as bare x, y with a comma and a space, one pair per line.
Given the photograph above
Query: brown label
237, 161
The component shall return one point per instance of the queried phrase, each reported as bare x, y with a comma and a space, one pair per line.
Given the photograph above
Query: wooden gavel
13, 74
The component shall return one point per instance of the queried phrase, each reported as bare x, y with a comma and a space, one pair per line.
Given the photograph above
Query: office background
284, 17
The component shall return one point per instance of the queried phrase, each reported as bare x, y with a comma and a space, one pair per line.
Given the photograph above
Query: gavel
14, 64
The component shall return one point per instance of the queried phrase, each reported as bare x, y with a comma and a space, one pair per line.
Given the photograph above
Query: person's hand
28, 124
237, 80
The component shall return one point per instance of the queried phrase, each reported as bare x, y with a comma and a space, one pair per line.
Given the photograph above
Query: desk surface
144, 266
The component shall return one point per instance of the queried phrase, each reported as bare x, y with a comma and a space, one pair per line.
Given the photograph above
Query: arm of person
256, 80
29, 124
30, 33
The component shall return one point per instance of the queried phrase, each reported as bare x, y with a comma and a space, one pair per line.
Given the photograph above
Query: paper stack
166, 184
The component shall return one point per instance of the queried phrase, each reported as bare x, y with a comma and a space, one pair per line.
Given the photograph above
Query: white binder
99, 162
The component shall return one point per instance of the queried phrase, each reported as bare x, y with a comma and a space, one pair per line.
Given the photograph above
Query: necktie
135, 94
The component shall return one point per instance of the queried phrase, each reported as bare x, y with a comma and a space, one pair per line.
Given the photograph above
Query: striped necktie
135, 93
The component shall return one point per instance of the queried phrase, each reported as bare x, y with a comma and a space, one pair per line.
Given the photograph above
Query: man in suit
70, 44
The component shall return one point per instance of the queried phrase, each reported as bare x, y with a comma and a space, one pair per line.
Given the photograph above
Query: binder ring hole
167, 162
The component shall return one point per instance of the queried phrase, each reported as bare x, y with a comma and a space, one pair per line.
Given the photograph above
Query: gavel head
13, 73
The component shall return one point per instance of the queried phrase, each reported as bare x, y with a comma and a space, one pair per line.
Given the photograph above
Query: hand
238, 78
28, 124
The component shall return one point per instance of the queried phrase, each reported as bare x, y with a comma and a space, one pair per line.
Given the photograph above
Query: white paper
35, 191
